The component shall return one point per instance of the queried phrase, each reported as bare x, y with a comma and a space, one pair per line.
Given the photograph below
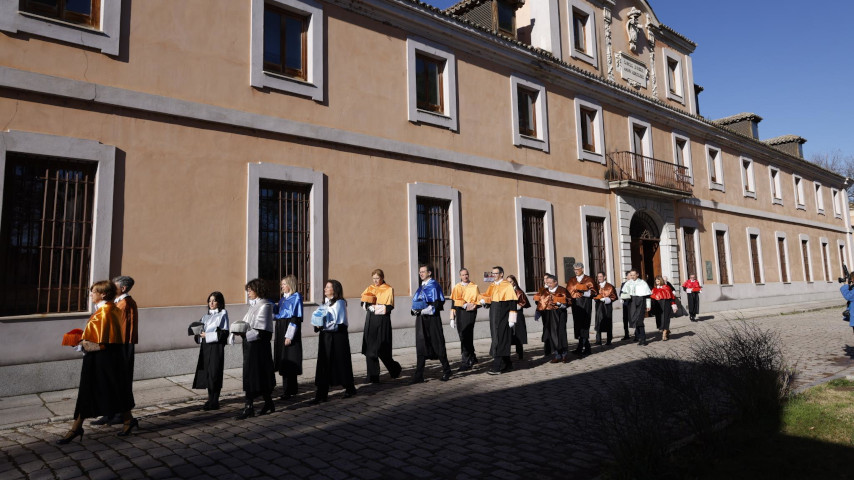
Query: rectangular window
713, 156
80, 12
46, 235
588, 129
579, 30
672, 68
638, 137
805, 253
596, 245
682, 155
673, 75
799, 192
720, 239
429, 83
754, 259
527, 111
690, 252
284, 233
784, 262
506, 18
819, 198
285, 42
434, 239
747, 178
842, 259
534, 246
836, 198
776, 190
825, 260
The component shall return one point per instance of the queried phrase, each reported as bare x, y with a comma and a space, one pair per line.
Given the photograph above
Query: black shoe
214, 406
268, 408
446, 376
494, 372
350, 393
105, 420
318, 400
71, 435
246, 413
128, 428
608, 342
395, 374
374, 379
416, 380
286, 396
599, 342
473, 360
520, 355
206, 407
464, 368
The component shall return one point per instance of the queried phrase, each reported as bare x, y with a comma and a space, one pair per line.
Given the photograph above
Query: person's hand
428, 311
587, 293
202, 334
512, 323
371, 309
689, 290
288, 342
607, 301
453, 323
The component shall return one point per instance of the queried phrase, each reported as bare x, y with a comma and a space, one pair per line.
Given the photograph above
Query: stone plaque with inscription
633, 71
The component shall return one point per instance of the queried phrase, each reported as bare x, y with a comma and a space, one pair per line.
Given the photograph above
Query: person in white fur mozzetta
636, 294
258, 375
213, 338
334, 366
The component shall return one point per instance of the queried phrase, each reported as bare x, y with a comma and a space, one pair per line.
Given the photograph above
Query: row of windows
754, 250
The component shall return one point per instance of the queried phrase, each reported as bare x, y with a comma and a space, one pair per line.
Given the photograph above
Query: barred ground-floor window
284, 233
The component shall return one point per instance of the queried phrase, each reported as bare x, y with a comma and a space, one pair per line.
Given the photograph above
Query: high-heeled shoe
246, 413
71, 435
268, 408
129, 427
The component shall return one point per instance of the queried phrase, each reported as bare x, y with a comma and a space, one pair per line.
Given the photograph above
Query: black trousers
662, 315
626, 319
422, 360
465, 328
694, 304
384, 354
250, 397
640, 331
502, 363
289, 383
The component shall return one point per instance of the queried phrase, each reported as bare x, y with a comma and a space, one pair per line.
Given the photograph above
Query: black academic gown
582, 309
334, 366
104, 389
637, 311
557, 336
429, 337
499, 326
376, 336
211, 362
288, 359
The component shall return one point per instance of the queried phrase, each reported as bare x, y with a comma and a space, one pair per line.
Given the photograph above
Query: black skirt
258, 374
429, 337
210, 366
288, 359
376, 335
104, 386
334, 366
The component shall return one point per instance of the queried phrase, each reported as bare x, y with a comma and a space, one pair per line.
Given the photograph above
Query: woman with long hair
333, 347
212, 338
258, 375
378, 302
104, 387
663, 295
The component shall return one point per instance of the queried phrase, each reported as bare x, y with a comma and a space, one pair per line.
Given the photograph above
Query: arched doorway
646, 256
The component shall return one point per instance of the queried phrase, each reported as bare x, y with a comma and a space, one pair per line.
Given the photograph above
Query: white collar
425, 282
213, 311
100, 304
120, 297
603, 283
553, 290
579, 277
498, 282
465, 284
254, 301
286, 295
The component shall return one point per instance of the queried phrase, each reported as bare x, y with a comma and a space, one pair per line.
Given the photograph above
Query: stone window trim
74, 149
748, 177
541, 141
679, 89
273, 171
842, 260
598, 131
824, 243
691, 223
647, 138
780, 265
755, 231
104, 39
808, 276
819, 198
599, 212
442, 192
715, 162
798, 184
776, 185
312, 87
590, 54
836, 198
721, 227
448, 119
527, 203
686, 153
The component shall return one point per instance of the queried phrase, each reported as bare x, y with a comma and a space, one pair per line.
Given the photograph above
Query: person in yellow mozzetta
502, 317
378, 302
463, 315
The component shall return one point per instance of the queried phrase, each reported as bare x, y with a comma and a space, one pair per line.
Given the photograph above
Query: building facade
195, 145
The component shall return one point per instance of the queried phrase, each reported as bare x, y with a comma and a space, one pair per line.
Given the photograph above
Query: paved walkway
517, 425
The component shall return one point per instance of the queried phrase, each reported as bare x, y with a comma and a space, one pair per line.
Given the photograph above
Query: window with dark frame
754, 258
46, 235
429, 83
842, 259
527, 100
784, 263
285, 42
713, 165
79, 12
505, 18
805, 253
690, 253
434, 238
680, 152
284, 233
579, 30
534, 247
775, 184
672, 77
596, 245
720, 238
826, 263
588, 130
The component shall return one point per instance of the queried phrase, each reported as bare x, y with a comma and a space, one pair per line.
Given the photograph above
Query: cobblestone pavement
523, 424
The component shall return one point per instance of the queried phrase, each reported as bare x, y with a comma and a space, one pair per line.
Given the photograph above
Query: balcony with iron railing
634, 173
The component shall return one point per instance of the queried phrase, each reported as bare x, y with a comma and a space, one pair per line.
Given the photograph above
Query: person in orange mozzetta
104, 387
463, 316
582, 289
376, 336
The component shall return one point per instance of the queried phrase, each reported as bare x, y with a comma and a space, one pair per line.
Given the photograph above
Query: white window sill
284, 83
434, 118
836, 215
801, 207
776, 201
750, 195
584, 57
675, 96
532, 142
592, 157
716, 186
821, 212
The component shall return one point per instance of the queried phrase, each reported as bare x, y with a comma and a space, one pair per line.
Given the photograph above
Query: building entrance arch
645, 247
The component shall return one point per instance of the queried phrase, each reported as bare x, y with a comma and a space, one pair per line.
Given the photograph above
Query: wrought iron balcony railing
630, 170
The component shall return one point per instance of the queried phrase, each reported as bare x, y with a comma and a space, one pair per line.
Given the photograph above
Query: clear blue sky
788, 61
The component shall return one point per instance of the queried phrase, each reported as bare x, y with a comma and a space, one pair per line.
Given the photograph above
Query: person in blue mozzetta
427, 302
287, 349
334, 366
847, 291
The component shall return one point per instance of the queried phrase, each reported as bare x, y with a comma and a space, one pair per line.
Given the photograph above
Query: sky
783, 60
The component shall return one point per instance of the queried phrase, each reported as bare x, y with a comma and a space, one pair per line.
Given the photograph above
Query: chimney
743, 123
791, 144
